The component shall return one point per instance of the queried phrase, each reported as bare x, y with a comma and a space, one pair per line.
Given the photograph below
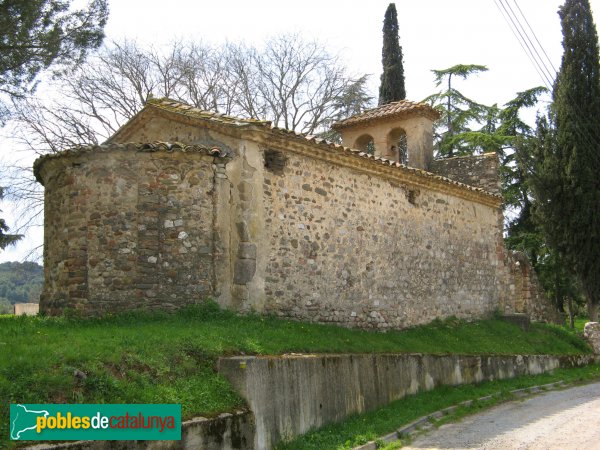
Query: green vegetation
6, 239
363, 428
565, 161
19, 283
161, 358
454, 133
579, 323
44, 35
392, 87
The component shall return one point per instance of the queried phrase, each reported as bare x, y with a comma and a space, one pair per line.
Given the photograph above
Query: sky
434, 34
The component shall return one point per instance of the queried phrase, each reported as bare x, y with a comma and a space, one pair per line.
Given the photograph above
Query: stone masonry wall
279, 226
127, 230
357, 250
479, 170
528, 295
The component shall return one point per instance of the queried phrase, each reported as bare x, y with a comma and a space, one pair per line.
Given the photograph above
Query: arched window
398, 145
365, 143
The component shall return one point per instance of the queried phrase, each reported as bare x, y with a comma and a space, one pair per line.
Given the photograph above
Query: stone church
182, 205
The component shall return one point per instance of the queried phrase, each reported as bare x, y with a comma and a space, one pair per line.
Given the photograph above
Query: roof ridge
177, 106
392, 109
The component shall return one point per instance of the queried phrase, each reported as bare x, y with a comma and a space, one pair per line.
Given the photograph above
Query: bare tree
294, 83
290, 81
299, 83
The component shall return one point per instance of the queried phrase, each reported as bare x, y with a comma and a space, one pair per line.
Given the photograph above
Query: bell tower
401, 131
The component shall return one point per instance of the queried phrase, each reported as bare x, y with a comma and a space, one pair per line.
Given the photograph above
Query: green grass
160, 358
580, 323
359, 429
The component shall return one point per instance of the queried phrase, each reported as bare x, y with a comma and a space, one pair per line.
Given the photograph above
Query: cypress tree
392, 79
566, 176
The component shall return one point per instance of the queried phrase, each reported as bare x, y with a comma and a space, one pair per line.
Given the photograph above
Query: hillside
19, 283
162, 358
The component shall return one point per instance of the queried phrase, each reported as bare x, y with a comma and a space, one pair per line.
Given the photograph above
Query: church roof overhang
395, 110
265, 134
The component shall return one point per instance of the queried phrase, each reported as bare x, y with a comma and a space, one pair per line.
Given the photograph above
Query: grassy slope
157, 358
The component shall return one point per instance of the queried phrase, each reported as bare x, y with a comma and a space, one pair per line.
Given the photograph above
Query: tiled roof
190, 111
398, 109
140, 147
336, 151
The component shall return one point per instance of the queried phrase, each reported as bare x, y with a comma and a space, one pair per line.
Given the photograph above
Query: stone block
246, 250
591, 331
244, 271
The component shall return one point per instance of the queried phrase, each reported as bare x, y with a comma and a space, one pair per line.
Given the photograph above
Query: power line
520, 43
536, 38
550, 76
522, 36
519, 35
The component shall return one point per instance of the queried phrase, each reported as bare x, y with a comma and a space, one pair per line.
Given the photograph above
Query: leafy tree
38, 34
392, 79
472, 128
6, 307
5, 238
513, 133
21, 282
454, 132
566, 155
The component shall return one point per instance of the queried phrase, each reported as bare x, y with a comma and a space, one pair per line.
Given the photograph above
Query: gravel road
568, 419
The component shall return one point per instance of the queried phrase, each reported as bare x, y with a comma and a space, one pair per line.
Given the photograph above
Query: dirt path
568, 419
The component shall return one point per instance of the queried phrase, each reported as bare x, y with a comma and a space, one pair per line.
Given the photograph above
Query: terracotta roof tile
398, 109
391, 109
139, 147
189, 111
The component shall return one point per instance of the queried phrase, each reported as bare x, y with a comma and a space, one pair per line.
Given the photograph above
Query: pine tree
392, 79
454, 133
5, 238
36, 35
565, 179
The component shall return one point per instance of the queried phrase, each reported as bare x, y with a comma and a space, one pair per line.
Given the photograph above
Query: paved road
564, 420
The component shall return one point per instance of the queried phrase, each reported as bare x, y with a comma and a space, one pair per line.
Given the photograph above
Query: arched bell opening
365, 143
398, 145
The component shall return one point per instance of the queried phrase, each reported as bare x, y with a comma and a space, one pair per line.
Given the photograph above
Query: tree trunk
571, 313
592, 310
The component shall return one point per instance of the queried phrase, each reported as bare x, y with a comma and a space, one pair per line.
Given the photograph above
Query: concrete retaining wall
291, 395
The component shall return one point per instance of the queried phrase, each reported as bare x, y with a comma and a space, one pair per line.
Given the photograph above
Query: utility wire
511, 22
550, 76
536, 39
520, 43
540, 66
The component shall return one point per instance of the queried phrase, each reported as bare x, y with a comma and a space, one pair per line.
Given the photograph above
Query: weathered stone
244, 271
247, 251
243, 233
395, 246
591, 331
477, 170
